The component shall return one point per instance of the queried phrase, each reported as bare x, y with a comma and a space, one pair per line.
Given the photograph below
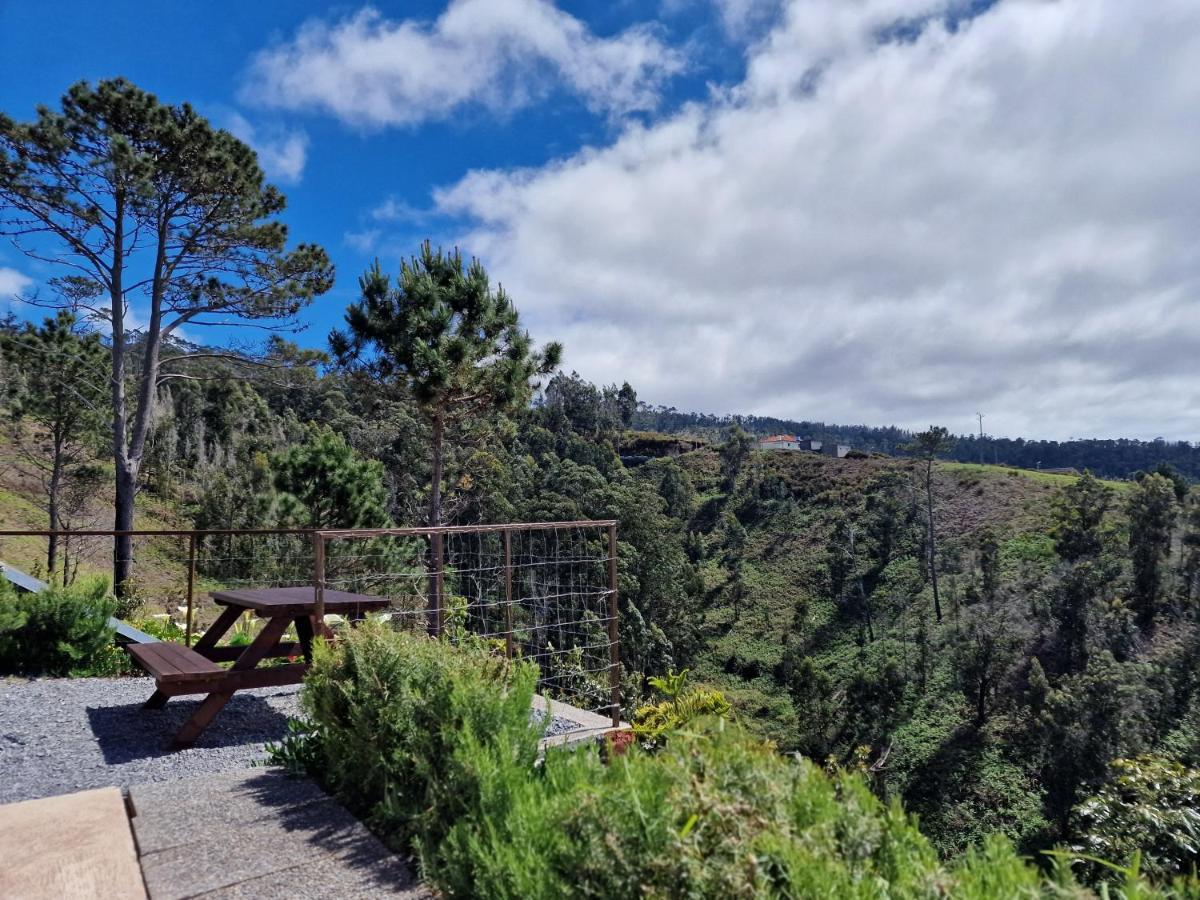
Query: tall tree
323, 483
1077, 513
450, 340
928, 446
734, 453
59, 384
1151, 510
161, 221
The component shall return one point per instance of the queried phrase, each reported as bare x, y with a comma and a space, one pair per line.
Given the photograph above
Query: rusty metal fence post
508, 595
191, 589
614, 647
319, 583
435, 612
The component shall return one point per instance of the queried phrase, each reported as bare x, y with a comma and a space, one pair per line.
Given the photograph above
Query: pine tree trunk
129, 446
435, 487
123, 502
937, 602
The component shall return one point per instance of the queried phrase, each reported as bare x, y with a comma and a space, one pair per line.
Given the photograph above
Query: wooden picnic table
181, 670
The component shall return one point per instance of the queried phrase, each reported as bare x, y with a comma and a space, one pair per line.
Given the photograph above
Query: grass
1050, 479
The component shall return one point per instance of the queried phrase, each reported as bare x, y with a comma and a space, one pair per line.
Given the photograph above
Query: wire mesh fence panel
541, 592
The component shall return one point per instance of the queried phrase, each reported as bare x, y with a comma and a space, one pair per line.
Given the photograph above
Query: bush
433, 744
394, 714
1150, 806
59, 631
715, 813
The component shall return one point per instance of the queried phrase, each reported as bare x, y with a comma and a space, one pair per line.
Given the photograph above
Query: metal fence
541, 591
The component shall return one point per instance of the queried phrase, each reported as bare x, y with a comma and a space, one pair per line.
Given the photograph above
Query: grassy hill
160, 562
769, 606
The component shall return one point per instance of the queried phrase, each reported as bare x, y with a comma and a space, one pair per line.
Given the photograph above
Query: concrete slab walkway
259, 834
73, 846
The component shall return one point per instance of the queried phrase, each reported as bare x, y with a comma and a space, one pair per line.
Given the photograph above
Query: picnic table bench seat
176, 666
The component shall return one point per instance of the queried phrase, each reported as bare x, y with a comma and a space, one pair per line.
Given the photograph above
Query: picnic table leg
215, 702
229, 615
304, 631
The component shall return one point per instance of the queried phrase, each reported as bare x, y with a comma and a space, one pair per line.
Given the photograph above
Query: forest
1104, 457
1001, 650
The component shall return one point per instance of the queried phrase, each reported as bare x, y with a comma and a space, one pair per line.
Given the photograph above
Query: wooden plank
169, 662
217, 630
272, 676
148, 657
296, 600
77, 845
228, 653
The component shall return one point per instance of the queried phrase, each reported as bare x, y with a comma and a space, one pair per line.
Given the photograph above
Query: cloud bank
369, 70
903, 214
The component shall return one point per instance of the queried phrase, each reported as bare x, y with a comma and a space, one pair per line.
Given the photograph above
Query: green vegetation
1148, 806
60, 631
434, 745
401, 723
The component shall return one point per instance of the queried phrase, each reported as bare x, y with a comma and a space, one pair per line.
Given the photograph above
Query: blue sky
890, 211
185, 52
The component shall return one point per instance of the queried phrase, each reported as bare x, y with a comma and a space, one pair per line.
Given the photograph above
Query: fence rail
545, 591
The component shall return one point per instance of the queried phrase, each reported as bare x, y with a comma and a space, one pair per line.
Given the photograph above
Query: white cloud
282, 152
365, 241
12, 285
739, 18
501, 54
999, 216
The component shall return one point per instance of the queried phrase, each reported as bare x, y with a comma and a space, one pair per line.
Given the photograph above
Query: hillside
1106, 457
791, 650
161, 561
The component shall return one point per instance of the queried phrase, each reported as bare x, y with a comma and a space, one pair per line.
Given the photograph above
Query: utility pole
979, 416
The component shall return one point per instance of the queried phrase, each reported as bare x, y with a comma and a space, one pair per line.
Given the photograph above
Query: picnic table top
297, 600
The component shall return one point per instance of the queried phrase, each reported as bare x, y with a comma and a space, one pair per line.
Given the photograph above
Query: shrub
434, 745
1149, 805
394, 714
59, 631
680, 706
716, 813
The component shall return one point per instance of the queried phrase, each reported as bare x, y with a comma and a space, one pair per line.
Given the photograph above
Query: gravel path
59, 735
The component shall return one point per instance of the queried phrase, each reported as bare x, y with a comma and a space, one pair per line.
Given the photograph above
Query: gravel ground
558, 725
59, 735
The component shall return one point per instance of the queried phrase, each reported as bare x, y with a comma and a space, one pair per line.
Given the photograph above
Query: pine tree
158, 218
449, 340
1151, 510
734, 453
928, 446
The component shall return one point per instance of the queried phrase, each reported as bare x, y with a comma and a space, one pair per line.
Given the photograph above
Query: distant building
789, 442
781, 442
836, 450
